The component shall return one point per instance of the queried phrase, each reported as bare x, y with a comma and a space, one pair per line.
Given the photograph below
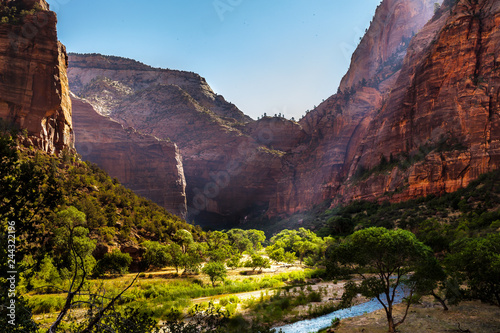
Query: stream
316, 324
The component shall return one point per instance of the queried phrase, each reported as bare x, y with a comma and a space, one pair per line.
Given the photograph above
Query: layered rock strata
149, 166
34, 90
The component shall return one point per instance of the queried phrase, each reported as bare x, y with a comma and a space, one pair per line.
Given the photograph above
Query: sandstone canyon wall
337, 126
150, 167
444, 108
417, 113
228, 162
34, 90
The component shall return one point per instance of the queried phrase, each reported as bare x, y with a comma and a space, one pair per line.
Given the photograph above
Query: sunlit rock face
443, 111
149, 166
337, 127
34, 91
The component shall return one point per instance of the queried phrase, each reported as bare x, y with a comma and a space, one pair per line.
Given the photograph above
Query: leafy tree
219, 247
277, 253
157, 255
477, 262
239, 241
258, 261
431, 279
303, 242
216, 271
114, 262
176, 256
130, 320
194, 257
234, 261
256, 237
72, 243
392, 255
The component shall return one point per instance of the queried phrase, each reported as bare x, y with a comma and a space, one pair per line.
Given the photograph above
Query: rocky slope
150, 167
34, 91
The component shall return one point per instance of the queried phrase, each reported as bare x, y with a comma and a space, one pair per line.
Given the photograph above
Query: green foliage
302, 241
216, 271
477, 263
214, 320
129, 320
445, 143
114, 262
392, 255
157, 255
23, 322
246, 240
234, 261
72, 242
219, 247
258, 261
14, 11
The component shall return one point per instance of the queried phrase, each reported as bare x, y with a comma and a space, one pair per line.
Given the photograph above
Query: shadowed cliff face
150, 167
231, 162
34, 92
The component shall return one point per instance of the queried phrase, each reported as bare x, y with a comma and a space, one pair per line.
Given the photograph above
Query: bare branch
101, 313
71, 294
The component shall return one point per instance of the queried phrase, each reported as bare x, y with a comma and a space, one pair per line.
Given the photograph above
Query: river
316, 324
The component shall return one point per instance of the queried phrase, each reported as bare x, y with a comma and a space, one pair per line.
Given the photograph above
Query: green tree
74, 246
157, 255
216, 271
194, 257
477, 263
239, 241
392, 255
234, 261
218, 246
114, 262
277, 253
302, 242
176, 256
258, 261
256, 237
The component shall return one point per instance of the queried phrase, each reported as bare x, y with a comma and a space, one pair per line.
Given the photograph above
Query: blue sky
273, 56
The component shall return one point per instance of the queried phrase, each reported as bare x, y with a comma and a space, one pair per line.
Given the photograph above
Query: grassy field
257, 297
167, 295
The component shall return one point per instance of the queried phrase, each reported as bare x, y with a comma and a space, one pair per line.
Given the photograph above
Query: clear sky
273, 56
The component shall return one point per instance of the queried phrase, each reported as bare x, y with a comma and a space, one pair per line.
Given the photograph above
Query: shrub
114, 262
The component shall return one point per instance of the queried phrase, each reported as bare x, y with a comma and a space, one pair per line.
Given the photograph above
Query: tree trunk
390, 321
440, 300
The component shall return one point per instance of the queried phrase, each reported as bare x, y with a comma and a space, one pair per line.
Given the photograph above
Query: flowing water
316, 324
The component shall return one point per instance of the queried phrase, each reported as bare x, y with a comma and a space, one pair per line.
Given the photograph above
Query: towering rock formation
444, 111
338, 125
150, 167
34, 91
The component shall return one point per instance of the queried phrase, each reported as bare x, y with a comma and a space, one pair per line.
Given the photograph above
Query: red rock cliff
230, 163
34, 91
442, 118
336, 128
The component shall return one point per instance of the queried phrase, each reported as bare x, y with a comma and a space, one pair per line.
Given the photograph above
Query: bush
114, 262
